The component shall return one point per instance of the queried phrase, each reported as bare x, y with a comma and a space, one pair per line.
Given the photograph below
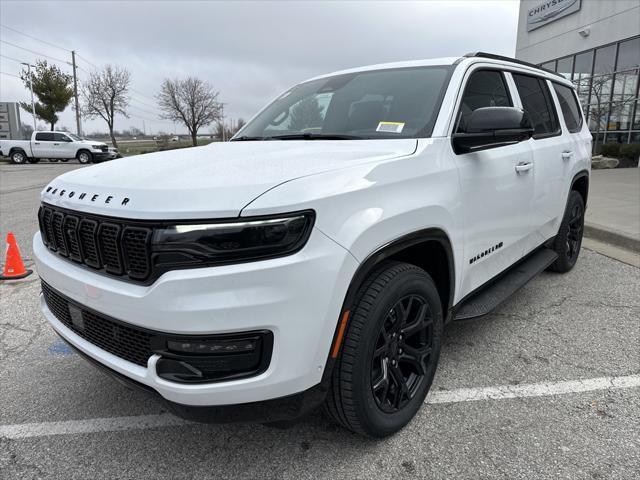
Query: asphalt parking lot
547, 387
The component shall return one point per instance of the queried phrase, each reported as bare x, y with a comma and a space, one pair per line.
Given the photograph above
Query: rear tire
569, 238
84, 157
18, 157
390, 352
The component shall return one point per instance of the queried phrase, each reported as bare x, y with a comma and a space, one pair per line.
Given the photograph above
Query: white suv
316, 257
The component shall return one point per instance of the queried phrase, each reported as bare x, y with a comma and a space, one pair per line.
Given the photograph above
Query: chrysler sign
550, 10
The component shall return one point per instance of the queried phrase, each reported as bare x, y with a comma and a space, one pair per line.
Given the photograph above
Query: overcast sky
249, 51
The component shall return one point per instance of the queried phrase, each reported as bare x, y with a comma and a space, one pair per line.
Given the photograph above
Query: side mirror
492, 127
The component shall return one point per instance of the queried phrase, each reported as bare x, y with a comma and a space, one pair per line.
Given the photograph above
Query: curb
612, 237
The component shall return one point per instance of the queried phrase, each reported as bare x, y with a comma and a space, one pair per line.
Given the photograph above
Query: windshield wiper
316, 136
247, 138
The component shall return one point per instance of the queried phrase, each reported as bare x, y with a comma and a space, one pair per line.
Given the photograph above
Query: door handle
56, 144
524, 167
567, 155
36, 143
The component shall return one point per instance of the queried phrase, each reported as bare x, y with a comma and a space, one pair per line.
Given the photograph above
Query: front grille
127, 342
105, 244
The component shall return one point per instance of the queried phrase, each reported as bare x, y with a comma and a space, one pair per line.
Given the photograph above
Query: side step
497, 291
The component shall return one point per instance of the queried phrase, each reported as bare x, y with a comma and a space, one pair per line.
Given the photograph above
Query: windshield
392, 103
75, 137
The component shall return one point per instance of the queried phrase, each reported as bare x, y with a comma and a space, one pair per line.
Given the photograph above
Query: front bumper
297, 297
99, 155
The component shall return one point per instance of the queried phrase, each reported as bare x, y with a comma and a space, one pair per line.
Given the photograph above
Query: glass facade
606, 79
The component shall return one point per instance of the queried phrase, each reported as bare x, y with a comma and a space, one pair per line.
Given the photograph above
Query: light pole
33, 107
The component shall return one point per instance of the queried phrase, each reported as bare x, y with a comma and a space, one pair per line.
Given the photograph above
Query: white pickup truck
56, 146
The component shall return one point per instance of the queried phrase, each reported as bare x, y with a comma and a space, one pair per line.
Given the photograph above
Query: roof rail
512, 60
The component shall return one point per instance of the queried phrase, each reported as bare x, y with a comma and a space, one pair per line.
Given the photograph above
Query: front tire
18, 157
569, 238
390, 352
84, 157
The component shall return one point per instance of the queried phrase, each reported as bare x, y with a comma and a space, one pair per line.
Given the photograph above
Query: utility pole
222, 121
75, 91
33, 107
144, 129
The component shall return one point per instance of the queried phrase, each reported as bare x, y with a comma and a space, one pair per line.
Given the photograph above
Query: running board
490, 297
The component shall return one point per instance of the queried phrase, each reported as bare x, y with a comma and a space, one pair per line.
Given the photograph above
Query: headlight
96, 147
186, 245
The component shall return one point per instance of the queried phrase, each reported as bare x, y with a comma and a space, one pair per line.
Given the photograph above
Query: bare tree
105, 96
602, 105
191, 102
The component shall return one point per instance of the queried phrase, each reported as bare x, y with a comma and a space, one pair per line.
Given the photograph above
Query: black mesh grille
135, 242
109, 241
129, 343
98, 242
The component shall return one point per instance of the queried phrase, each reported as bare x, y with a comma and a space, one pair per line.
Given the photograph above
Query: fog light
213, 346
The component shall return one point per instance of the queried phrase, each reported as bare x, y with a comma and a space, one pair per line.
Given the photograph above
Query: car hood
215, 181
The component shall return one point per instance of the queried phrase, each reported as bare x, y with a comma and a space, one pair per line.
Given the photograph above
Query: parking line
532, 389
142, 422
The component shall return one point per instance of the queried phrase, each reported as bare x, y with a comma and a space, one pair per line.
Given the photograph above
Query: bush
630, 151
610, 150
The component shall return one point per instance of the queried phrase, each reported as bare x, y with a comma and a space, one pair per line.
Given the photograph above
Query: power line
10, 74
85, 60
13, 59
34, 38
142, 94
34, 52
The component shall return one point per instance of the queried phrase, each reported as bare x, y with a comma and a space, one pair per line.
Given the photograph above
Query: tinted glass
393, 103
569, 106
605, 60
485, 88
565, 67
629, 55
582, 75
549, 66
60, 137
536, 102
44, 137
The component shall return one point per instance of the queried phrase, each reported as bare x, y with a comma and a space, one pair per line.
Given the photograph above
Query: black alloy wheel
568, 241
401, 356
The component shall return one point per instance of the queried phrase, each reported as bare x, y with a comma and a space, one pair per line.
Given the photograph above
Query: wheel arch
580, 183
428, 248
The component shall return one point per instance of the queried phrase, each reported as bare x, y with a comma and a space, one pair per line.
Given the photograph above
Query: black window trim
545, 80
577, 101
483, 68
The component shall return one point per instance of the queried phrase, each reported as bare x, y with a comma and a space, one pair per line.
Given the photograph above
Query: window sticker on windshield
390, 127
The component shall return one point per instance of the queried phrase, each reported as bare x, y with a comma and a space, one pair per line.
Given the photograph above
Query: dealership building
595, 43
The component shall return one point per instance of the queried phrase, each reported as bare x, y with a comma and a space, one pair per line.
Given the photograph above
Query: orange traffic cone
13, 267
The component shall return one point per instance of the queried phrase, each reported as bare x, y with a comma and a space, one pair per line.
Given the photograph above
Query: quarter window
536, 102
569, 107
485, 88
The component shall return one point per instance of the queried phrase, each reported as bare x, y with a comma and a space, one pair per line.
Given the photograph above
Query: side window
485, 88
536, 102
569, 106
44, 137
60, 137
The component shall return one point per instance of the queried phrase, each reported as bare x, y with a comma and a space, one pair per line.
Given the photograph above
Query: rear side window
44, 137
485, 88
569, 107
536, 102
